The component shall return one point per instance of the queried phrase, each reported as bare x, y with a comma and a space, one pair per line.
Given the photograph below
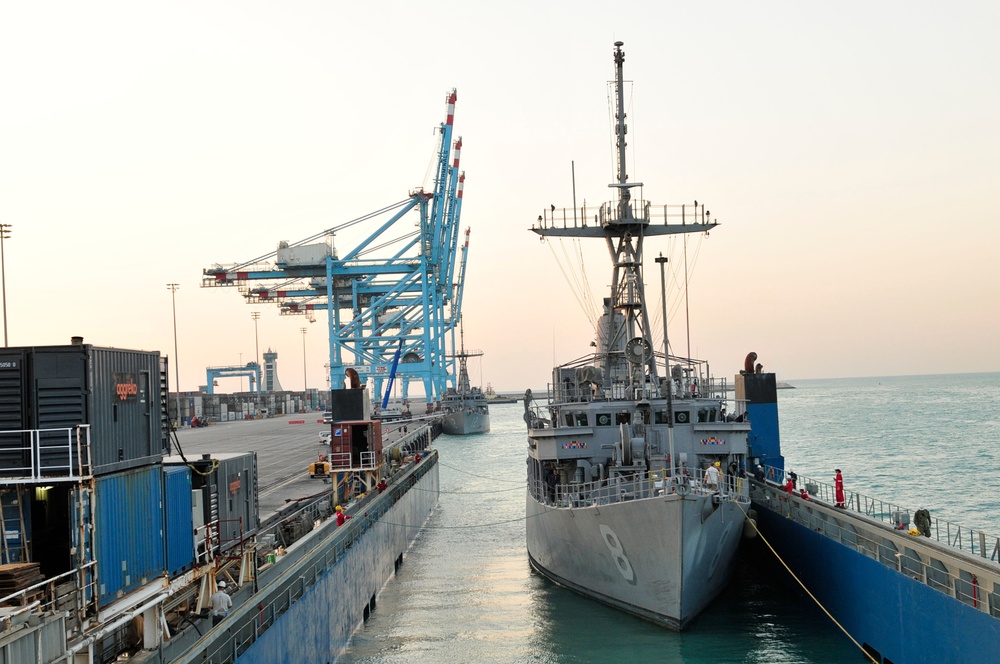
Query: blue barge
900, 596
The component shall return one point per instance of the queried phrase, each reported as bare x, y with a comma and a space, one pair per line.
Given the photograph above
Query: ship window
604, 419
660, 417
682, 417
581, 419
569, 419
623, 418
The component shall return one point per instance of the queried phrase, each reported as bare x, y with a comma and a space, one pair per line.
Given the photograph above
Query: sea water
465, 591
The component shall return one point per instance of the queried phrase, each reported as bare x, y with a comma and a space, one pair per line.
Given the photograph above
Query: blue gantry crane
252, 369
395, 292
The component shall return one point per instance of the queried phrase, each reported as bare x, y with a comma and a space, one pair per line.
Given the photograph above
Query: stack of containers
119, 393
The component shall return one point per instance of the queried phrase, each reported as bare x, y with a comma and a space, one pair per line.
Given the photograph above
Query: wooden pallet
18, 576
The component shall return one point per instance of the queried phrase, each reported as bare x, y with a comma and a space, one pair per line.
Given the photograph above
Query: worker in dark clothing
793, 477
922, 520
758, 473
551, 480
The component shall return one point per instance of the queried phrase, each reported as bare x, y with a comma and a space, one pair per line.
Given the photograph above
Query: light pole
177, 371
255, 315
4, 235
305, 383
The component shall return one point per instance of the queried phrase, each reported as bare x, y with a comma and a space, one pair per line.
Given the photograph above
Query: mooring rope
803, 586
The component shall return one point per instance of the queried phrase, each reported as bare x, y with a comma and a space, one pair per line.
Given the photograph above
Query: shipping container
119, 393
128, 530
361, 442
179, 524
228, 483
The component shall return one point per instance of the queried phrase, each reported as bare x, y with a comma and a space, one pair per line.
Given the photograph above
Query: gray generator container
119, 393
228, 483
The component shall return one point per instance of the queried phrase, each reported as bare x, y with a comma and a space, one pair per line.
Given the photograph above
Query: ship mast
463, 373
626, 349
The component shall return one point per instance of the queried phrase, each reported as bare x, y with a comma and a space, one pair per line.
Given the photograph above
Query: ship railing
952, 534
546, 417
48, 455
61, 591
344, 461
965, 585
643, 484
412, 441
610, 212
204, 543
285, 585
541, 412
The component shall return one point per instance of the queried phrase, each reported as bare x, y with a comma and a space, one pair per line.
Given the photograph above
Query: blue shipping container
128, 530
179, 523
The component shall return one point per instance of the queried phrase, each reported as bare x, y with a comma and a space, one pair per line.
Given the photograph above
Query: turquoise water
465, 591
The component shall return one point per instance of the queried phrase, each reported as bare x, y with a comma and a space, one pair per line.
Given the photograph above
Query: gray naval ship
635, 494
466, 408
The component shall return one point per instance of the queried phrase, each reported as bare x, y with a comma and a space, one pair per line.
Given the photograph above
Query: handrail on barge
957, 574
946, 532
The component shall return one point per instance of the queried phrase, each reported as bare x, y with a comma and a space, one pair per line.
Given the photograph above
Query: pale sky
851, 152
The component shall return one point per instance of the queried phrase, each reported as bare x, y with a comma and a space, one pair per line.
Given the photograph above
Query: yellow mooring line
799, 581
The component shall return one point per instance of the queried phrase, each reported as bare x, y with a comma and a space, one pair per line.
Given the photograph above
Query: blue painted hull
318, 625
904, 620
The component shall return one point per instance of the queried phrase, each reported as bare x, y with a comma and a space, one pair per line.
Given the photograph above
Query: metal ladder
19, 553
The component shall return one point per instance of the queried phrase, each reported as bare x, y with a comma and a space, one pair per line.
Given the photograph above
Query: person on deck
838, 484
341, 517
551, 482
221, 603
712, 477
922, 520
758, 473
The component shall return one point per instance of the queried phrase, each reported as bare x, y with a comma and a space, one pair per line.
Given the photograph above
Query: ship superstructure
635, 489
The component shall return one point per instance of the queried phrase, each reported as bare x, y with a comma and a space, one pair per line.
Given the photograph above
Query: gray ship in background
466, 408
635, 494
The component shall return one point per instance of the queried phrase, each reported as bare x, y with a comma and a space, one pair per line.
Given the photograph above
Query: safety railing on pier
648, 484
49, 455
965, 586
946, 532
